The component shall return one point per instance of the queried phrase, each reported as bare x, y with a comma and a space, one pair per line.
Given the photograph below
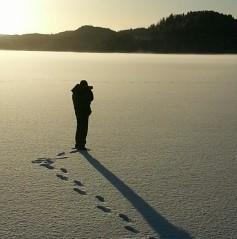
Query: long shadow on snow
158, 223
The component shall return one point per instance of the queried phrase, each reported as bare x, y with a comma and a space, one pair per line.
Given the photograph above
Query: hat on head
83, 83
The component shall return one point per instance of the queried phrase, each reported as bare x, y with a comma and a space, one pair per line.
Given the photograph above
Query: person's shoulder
75, 88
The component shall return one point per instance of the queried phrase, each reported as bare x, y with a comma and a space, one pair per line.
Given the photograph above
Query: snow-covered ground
163, 140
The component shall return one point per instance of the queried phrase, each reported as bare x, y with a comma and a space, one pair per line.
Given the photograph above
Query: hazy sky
51, 16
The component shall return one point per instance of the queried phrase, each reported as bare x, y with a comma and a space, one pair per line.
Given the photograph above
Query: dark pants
82, 129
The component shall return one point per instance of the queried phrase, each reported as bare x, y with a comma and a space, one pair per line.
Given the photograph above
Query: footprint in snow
124, 217
43, 161
40, 160
100, 198
49, 161
62, 177
61, 154
79, 191
61, 157
131, 229
74, 151
46, 165
64, 170
78, 183
104, 209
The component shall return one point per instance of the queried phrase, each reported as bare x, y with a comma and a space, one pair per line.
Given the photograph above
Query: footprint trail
80, 188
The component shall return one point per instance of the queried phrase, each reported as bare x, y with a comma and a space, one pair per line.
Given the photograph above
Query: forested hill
194, 32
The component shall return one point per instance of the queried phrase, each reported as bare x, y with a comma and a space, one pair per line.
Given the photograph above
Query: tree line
194, 32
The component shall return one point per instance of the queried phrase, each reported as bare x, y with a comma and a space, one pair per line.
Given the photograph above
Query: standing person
82, 96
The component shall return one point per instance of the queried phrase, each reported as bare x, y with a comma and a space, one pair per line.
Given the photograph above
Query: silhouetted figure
82, 97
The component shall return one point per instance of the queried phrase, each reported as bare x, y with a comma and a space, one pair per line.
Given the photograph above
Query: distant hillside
194, 32
204, 31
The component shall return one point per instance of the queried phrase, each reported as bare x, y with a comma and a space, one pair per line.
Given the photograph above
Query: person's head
83, 83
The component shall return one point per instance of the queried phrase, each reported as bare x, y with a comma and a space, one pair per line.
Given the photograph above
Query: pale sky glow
52, 16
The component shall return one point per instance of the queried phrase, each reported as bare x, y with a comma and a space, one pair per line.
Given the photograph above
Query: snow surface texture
162, 134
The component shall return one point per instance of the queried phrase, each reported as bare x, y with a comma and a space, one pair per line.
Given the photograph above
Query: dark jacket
82, 97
